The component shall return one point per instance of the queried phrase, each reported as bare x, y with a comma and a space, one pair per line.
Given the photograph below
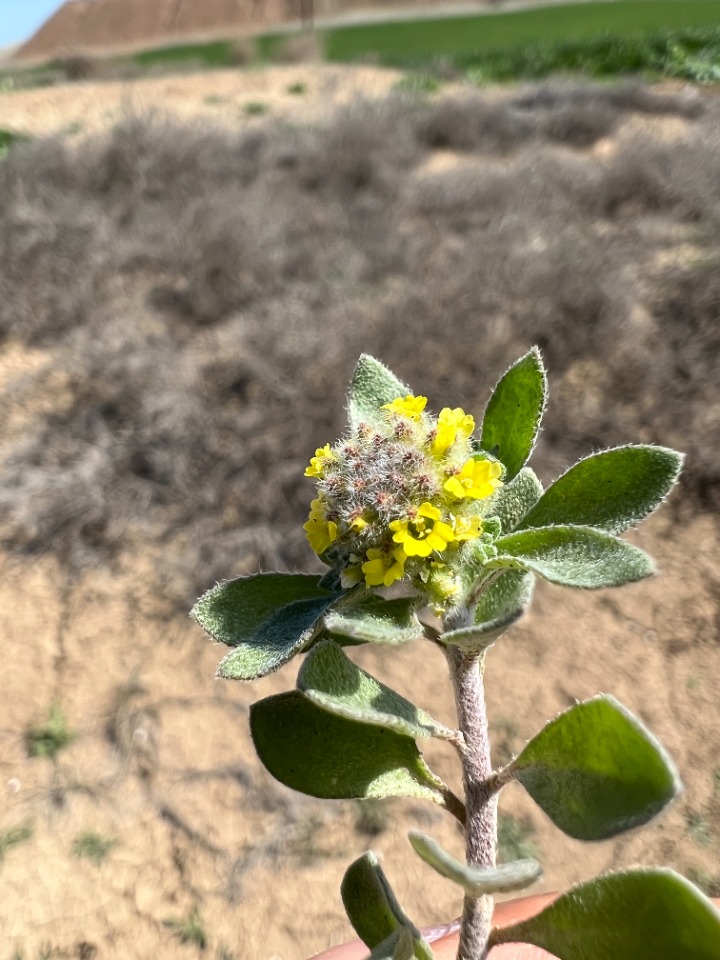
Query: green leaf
514, 411
637, 915
514, 499
372, 386
369, 901
573, 557
498, 608
596, 771
232, 612
323, 755
611, 491
376, 916
375, 620
335, 683
285, 633
404, 944
475, 881
268, 618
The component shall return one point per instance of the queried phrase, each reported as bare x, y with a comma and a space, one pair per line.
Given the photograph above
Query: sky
21, 18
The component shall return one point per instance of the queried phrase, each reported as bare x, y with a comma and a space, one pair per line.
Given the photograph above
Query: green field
216, 54
598, 38
401, 43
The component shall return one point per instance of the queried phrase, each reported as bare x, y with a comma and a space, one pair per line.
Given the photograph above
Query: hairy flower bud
401, 499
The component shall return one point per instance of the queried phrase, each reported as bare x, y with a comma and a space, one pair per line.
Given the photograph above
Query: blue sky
20, 18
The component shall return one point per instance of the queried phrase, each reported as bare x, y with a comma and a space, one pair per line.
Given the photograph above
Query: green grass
413, 42
8, 138
48, 739
699, 828
269, 45
688, 54
255, 108
418, 83
190, 929
514, 839
657, 38
12, 837
93, 846
216, 54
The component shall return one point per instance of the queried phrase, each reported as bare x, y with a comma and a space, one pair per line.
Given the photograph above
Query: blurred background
207, 211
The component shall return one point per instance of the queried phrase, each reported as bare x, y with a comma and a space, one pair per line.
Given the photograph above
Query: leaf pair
648, 914
566, 533
595, 770
268, 618
343, 734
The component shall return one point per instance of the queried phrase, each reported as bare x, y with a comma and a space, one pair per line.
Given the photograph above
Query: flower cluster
402, 498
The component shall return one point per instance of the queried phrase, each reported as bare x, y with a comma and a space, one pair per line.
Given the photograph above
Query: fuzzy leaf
268, 618
636, 915
498, 608
573, 557
335, 683
611, 491
515, 499
323, 755
286, 632
596, 771
372, 386
375, 620
231, 612
369, 901
475, 881
514, 411
405, 944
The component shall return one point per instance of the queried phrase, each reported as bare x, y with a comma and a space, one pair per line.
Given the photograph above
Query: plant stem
480, 799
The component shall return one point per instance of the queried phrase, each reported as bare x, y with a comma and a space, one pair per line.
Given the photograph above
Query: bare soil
493, 225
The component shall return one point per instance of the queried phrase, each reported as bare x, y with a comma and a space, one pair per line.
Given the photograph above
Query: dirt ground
202, 851
214, 96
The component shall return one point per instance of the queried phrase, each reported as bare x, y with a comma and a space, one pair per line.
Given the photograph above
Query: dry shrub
202, 294
78, 66
298, 48
577, 116
242, 52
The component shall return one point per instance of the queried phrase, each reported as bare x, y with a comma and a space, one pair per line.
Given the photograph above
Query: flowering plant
434, 530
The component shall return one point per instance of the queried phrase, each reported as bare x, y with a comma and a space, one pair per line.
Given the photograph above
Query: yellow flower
477, 479
383, 569
317, 463
424, 533
320, 531
358, 524
410, 406
467, 528
451, 425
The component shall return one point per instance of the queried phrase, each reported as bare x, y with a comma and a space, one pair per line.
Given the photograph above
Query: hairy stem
480, 799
